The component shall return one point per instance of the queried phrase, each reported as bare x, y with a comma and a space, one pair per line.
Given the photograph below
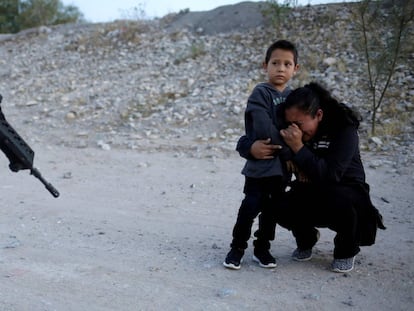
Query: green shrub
17, 15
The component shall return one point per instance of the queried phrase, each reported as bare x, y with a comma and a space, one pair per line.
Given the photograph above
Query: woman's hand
292, 136
263, 150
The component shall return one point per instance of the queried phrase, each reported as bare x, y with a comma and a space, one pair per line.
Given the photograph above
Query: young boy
264, 178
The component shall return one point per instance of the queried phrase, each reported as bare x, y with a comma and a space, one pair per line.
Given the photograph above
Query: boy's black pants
260, 197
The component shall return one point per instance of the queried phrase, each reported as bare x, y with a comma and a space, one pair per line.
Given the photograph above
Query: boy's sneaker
264, 258
234, 258
305, 254
343, 265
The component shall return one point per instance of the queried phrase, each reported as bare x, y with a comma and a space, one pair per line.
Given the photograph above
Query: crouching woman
330, 189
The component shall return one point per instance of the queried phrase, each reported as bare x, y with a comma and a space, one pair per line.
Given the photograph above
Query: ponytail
313, 97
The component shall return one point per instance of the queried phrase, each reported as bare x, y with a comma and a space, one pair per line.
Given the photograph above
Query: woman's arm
331, 164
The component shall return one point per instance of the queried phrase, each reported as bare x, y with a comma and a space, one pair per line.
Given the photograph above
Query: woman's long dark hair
312, 97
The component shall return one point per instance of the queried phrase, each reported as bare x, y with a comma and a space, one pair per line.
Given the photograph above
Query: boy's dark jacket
262, 121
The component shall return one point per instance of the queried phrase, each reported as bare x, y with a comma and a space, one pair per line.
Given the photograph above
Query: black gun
19, 153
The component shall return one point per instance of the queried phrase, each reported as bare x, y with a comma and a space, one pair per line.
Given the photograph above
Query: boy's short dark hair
284, 45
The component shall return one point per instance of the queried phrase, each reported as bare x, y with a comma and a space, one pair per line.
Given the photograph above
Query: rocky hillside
181, 82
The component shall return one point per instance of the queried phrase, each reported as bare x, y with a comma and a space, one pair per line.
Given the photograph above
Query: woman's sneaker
302, 254
234, 259
264, 258
343, 265
305, 254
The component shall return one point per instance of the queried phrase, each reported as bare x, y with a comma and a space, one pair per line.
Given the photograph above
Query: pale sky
108, 10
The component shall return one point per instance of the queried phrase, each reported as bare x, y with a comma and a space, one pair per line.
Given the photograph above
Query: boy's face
280, 68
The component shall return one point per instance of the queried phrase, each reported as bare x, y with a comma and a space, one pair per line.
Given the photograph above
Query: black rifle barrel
35, 172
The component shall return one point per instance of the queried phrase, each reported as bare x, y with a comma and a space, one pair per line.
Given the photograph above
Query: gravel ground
149, 231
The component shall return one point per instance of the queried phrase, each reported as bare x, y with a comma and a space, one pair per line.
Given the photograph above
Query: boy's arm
263, 126
243, 147
256, 150
259, 116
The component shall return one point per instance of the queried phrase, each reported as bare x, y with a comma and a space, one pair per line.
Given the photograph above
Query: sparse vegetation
383, 39
197, 50
136, 13
112, 34
278, 11
16, 15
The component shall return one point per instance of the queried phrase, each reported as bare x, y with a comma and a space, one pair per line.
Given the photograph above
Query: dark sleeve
332, 166
243, 147
260, 123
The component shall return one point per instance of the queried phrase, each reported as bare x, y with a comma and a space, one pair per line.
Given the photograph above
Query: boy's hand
263, 150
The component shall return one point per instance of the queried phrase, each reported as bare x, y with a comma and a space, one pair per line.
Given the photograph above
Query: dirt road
137, 231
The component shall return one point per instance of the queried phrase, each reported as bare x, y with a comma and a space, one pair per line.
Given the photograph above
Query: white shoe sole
268, 266
231, 266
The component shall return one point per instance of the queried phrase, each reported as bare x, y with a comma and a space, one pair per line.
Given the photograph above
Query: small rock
67, 175
226, 292
376, 140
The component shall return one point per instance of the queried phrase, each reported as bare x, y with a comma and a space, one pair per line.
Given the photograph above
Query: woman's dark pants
307, 206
